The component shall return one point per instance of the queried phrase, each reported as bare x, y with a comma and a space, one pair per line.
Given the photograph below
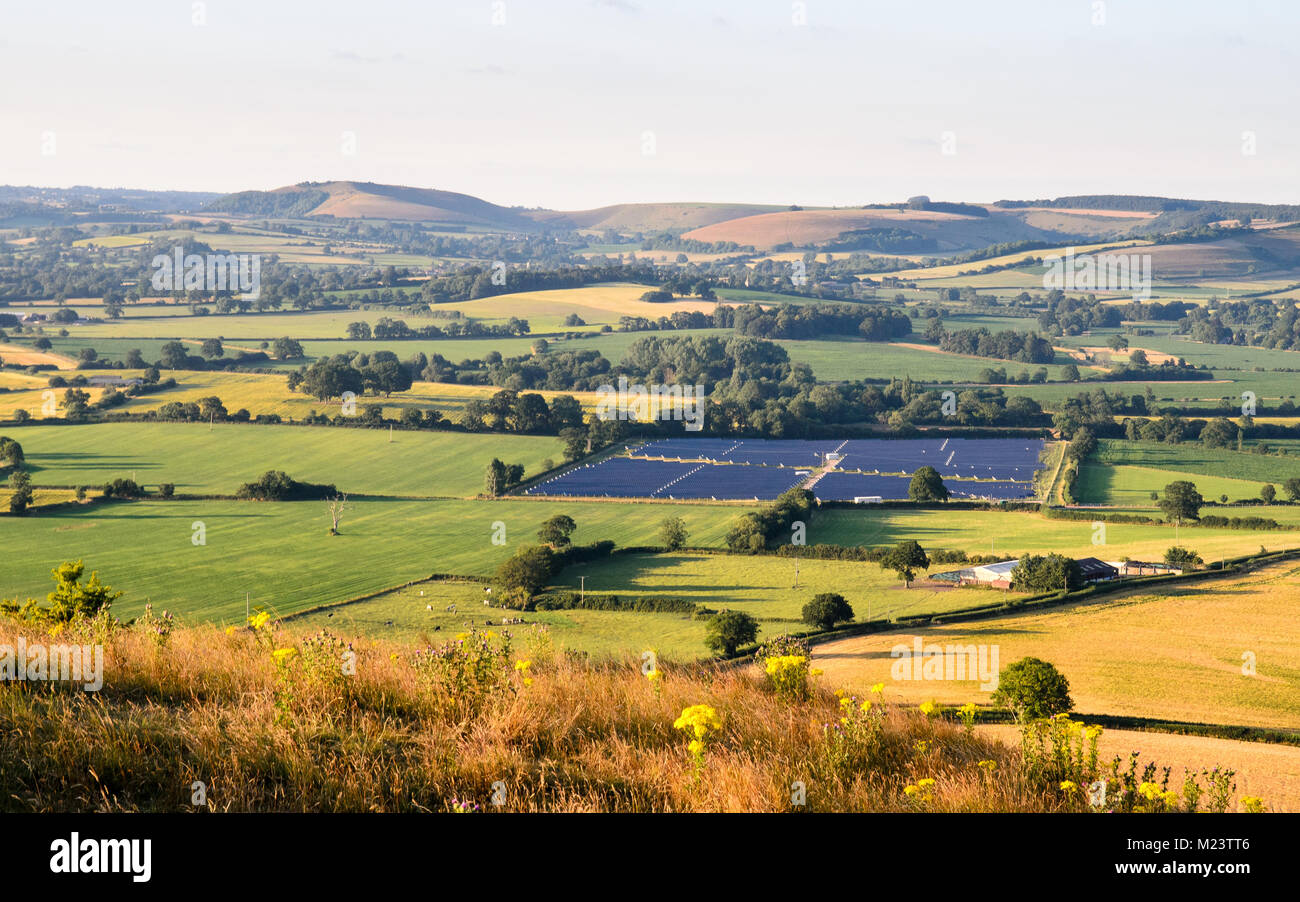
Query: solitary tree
1181, 501
20, 492
826, 610
1292, 488
904, 558
728, 630
336, 506
927, 485
212, 347
1033, 689
1268, 493
527, 571
494, 481
672, 533
555, 531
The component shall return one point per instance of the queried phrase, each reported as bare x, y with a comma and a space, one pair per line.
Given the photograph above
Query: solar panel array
761, 469
1010, 459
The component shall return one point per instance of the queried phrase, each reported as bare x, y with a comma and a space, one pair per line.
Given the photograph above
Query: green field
282, 554
201, 459
1126, 473
762, 586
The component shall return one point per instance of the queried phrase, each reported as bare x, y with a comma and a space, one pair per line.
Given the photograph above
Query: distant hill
368, 200
652, 217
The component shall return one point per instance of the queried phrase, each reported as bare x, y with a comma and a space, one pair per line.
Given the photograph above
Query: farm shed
1094, 570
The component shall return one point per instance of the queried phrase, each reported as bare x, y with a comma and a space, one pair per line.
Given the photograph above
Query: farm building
999, 575
1094, 570
1143, 568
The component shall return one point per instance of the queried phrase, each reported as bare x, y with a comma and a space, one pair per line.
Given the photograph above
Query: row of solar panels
621, 477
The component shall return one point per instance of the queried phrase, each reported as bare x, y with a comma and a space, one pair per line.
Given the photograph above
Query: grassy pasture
217, 460
404, 615
282, 555
1125, 473
1131, 486
1176, 653
765, 586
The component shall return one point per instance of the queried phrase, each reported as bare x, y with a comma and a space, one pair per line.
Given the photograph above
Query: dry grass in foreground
270, 722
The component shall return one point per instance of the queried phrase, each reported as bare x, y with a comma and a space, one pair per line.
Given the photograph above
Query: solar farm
835, 470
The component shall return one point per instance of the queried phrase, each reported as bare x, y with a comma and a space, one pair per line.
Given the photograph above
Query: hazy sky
558, 105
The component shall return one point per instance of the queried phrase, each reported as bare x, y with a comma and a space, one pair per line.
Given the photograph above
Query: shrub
1032, 689
122, 488
826, 610
728, 630
276, 485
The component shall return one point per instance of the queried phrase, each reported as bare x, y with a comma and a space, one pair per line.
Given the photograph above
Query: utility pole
247, 613
582, 590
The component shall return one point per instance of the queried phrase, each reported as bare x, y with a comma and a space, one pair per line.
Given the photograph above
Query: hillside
652, 217
368, 200
306, 723
942, 231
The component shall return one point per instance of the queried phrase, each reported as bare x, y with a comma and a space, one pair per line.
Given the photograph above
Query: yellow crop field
1184, 652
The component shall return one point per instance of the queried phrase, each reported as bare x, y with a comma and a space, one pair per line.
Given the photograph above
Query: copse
1046, 573
753, 532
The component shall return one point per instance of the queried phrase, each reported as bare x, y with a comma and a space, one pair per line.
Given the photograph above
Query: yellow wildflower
700, 719
1069, 785
284, 654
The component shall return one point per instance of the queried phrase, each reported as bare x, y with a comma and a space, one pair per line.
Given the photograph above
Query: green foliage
904, 559
527, 571
728, 630
673, 534
122, 488
556, 530
20, 488
827, 609
276, 485
927, 485
1046, 573
1177, 556
71, 599
1180, 501
1033, 689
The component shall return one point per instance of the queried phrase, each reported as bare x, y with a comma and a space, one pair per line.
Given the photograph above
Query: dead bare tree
336, 506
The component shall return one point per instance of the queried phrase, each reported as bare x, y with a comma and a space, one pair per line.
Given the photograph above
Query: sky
573, 104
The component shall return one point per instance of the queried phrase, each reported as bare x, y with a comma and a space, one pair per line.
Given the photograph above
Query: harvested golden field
1177, 654
811, 226
258, 393
25, 356
651, 217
